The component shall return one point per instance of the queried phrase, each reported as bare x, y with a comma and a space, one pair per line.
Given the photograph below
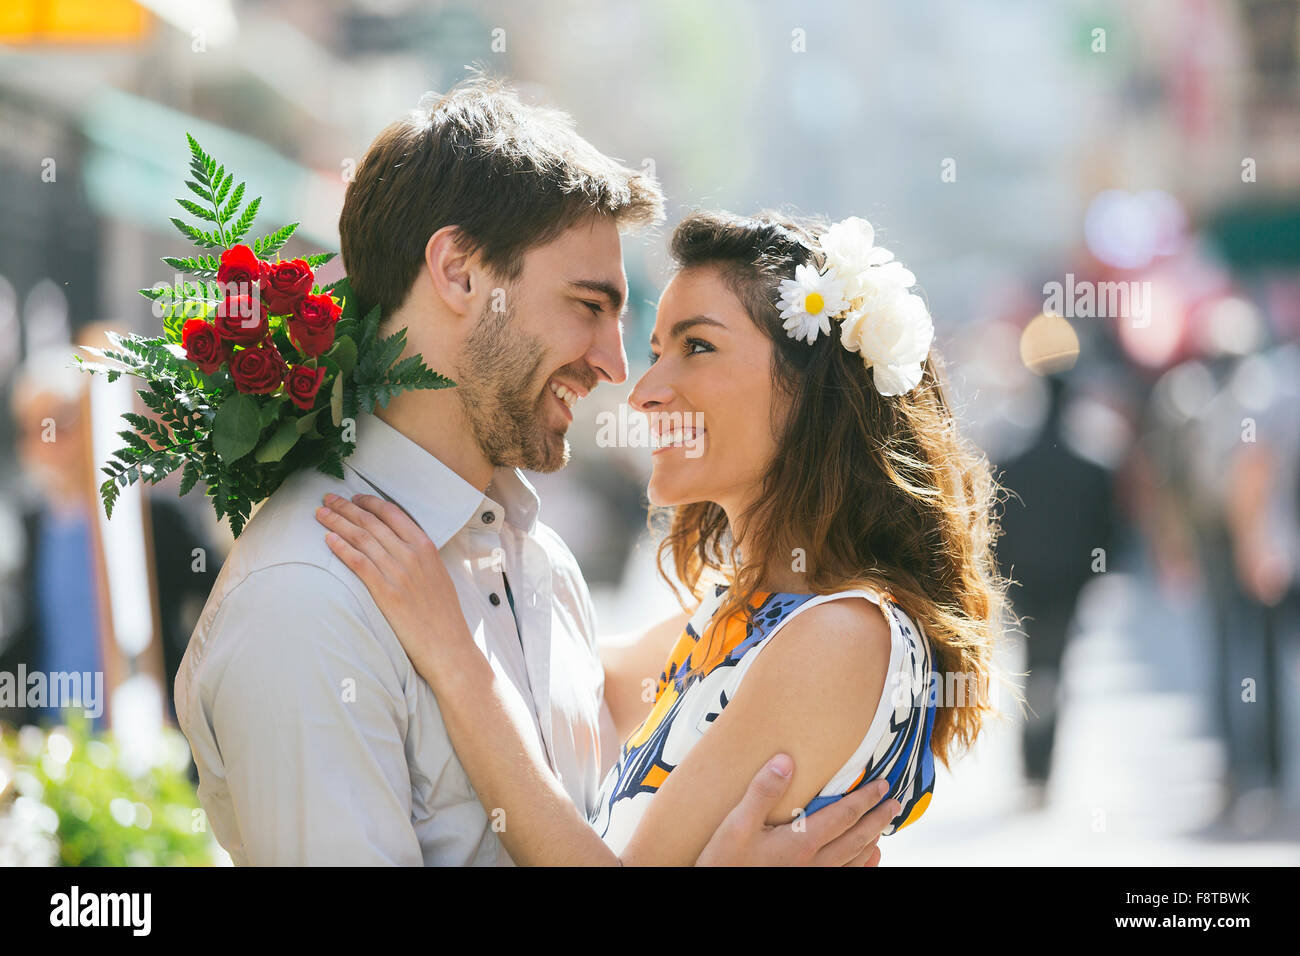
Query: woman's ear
452, 270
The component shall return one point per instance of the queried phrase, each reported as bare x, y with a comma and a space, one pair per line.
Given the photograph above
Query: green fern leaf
204, 194
223, 190
233, 204
189, 477
272, 243
245, 221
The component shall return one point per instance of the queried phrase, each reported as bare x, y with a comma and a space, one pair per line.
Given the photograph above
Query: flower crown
864, 289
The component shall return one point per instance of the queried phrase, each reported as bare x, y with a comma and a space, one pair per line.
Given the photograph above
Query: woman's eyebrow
684, 325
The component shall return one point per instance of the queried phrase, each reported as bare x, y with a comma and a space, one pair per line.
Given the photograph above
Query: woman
823, 508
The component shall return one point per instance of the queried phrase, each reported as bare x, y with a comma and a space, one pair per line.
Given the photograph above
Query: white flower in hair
851, 252
882, 283
865, 288
893, 335
808, 301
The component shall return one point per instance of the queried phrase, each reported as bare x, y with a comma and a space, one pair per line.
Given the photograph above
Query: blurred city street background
1146, 152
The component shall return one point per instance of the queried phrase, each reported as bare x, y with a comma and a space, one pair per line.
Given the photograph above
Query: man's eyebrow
607, 289
683, 325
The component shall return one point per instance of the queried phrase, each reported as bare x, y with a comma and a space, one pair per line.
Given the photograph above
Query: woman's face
708, 394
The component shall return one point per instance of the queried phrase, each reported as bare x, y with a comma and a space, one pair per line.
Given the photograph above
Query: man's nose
608, 357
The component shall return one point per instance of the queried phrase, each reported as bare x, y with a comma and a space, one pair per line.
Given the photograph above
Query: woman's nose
650, 391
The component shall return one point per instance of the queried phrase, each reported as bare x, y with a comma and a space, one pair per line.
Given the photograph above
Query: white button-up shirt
315, 740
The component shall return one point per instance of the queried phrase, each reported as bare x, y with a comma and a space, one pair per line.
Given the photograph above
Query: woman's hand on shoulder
401, 568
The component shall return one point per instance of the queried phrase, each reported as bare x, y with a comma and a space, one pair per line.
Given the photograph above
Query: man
490, 231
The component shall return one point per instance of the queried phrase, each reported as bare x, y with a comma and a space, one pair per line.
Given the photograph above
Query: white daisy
808, 301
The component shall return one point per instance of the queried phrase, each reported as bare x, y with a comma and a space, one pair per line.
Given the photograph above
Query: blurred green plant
72, 798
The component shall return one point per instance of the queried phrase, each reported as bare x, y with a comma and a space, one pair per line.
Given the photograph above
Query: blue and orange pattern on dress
904, 757
702, 674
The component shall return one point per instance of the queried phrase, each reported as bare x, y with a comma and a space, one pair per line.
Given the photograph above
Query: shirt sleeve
307, 714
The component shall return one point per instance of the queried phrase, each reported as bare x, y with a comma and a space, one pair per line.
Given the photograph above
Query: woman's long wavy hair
878, 492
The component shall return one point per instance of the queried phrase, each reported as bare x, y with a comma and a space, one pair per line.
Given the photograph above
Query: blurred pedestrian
1059, 514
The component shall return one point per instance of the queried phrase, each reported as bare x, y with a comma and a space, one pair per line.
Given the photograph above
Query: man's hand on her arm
842, 834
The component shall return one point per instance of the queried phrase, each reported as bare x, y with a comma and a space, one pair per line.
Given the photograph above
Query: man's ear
453, 270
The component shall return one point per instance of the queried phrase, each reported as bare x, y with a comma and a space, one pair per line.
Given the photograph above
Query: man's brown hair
510, 175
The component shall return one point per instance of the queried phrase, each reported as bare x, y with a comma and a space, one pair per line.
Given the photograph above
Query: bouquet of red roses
259, 372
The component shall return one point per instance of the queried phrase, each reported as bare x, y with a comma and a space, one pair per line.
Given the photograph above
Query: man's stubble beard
495, 384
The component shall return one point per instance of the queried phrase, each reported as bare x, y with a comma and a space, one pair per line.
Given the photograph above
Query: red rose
241, 319
302, 385
202, 347
240, 265
259, 369
284, 284
312, 325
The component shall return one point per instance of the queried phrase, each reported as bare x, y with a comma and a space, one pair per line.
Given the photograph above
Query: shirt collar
517, 496
440, 501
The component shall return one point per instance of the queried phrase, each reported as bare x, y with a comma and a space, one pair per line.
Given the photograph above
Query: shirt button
489, 517
496, 601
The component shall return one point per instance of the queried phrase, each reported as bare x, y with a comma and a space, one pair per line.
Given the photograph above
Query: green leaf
245, 222
134, 440
281, 440
236, 427
369, 328
269, 412
389, 350
200, 238
195, 209
331, 466
197, 151
199, 191
344, 353
109, 492
319, 259
307, 423
189, 477
202, 267
272, 243
223, 190
233, 204
336, 401
343, 290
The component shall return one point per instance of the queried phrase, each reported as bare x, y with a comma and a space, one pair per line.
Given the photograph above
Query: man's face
51, 442
542, 342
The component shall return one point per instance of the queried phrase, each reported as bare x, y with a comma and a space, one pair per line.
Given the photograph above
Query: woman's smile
674, 433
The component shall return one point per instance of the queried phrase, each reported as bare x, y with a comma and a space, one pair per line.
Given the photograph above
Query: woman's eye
693, 344
653, 358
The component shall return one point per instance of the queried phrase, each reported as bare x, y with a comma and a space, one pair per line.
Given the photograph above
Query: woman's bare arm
632, 668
